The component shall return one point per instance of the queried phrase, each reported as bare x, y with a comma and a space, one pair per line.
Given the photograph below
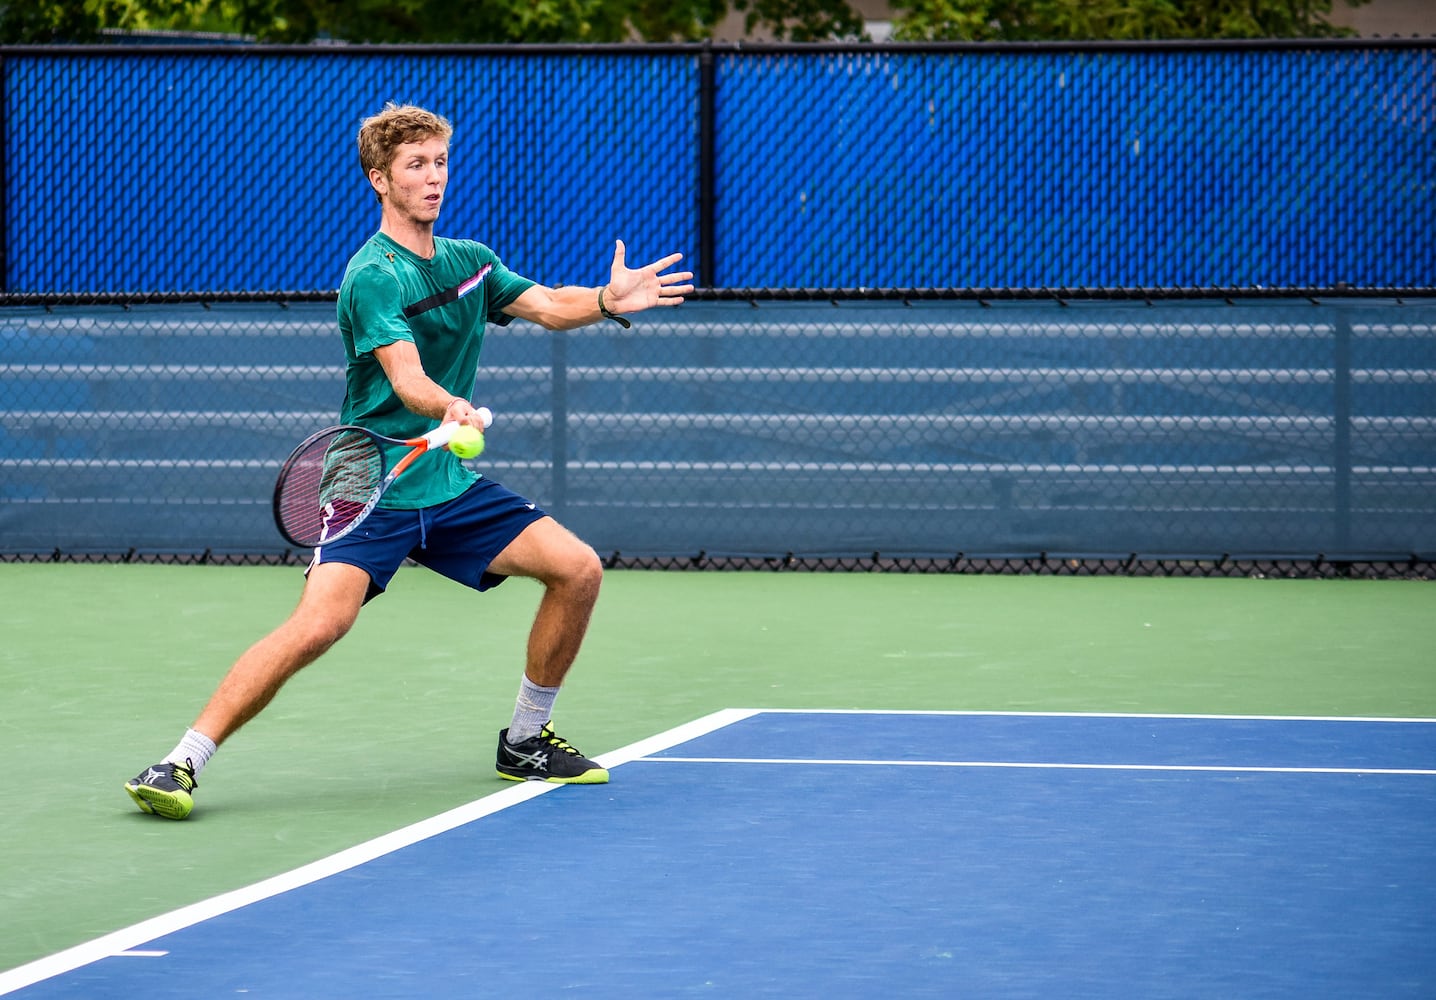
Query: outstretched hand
632, 290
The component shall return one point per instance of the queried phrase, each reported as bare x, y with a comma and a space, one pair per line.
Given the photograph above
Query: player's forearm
422, 395
562, 308
416, 390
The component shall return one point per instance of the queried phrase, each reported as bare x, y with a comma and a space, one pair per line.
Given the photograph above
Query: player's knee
584, 572
317, 635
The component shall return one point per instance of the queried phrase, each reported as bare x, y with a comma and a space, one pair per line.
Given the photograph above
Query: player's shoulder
467, 250
374, 252
372, 265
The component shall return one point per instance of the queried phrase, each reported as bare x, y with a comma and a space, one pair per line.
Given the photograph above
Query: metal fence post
707, 124
1341, 430
558, 421
4, 195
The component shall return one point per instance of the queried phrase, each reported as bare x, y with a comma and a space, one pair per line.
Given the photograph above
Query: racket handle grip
444, 433
440, 436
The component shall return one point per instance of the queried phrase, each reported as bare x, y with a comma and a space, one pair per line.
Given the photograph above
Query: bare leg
571, 574
333, 595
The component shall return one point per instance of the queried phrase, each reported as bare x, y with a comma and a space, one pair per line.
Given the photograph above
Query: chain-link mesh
233, 169
137, 170
1041, 564
1077, 169
934, 430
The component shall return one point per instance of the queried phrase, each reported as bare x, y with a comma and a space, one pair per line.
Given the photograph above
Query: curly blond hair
380, 135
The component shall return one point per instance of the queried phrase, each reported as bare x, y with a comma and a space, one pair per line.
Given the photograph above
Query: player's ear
379, 181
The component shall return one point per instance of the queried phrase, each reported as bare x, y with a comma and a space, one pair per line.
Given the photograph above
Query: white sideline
126, 941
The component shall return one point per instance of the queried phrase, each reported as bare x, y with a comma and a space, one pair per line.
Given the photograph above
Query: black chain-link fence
937, 431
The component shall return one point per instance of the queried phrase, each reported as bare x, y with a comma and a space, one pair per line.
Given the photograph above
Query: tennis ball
467, 442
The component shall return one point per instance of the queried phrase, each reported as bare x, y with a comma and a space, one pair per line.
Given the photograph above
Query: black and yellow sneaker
547, 757
164, 789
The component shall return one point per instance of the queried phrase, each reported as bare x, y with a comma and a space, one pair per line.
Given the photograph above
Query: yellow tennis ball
467, 442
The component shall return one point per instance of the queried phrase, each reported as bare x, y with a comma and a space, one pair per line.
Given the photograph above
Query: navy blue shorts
457, 539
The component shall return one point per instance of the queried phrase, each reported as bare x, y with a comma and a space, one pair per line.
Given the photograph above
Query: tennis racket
337, 476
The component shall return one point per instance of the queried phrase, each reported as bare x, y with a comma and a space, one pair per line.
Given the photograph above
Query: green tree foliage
432, 21
517, 21
40, 22
802, 20
1061, 20
437, 21
542, 20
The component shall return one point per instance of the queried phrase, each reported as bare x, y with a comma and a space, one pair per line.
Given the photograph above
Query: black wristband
611, 315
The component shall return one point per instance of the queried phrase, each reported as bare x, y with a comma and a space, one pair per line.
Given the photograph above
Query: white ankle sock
533, 709
196, 747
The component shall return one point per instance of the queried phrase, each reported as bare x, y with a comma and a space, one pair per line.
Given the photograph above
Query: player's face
415, 185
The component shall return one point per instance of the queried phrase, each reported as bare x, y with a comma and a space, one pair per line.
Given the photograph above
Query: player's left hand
632, 290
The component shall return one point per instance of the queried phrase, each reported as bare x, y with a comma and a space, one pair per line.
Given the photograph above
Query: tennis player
413, 310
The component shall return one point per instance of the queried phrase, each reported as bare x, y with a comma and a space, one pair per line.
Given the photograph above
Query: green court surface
103, 666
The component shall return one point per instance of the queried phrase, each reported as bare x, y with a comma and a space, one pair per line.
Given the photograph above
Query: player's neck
417, 237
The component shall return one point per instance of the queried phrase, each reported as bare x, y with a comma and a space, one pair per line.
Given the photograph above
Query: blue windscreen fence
233, 168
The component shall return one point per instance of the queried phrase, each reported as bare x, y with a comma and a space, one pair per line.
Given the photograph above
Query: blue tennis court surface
855, 854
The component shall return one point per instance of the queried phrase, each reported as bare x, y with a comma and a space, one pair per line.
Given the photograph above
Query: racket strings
327, 485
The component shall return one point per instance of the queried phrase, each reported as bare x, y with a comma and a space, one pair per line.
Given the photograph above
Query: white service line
1039, 765
1085, 715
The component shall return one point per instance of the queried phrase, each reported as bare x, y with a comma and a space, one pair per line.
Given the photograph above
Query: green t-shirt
391, 294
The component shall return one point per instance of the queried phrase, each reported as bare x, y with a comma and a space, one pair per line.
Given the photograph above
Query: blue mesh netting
234, 170
220, 172
1078, 169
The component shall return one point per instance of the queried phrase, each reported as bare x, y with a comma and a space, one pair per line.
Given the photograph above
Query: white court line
123, 942
1084, 715
673, 737
1039, 765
